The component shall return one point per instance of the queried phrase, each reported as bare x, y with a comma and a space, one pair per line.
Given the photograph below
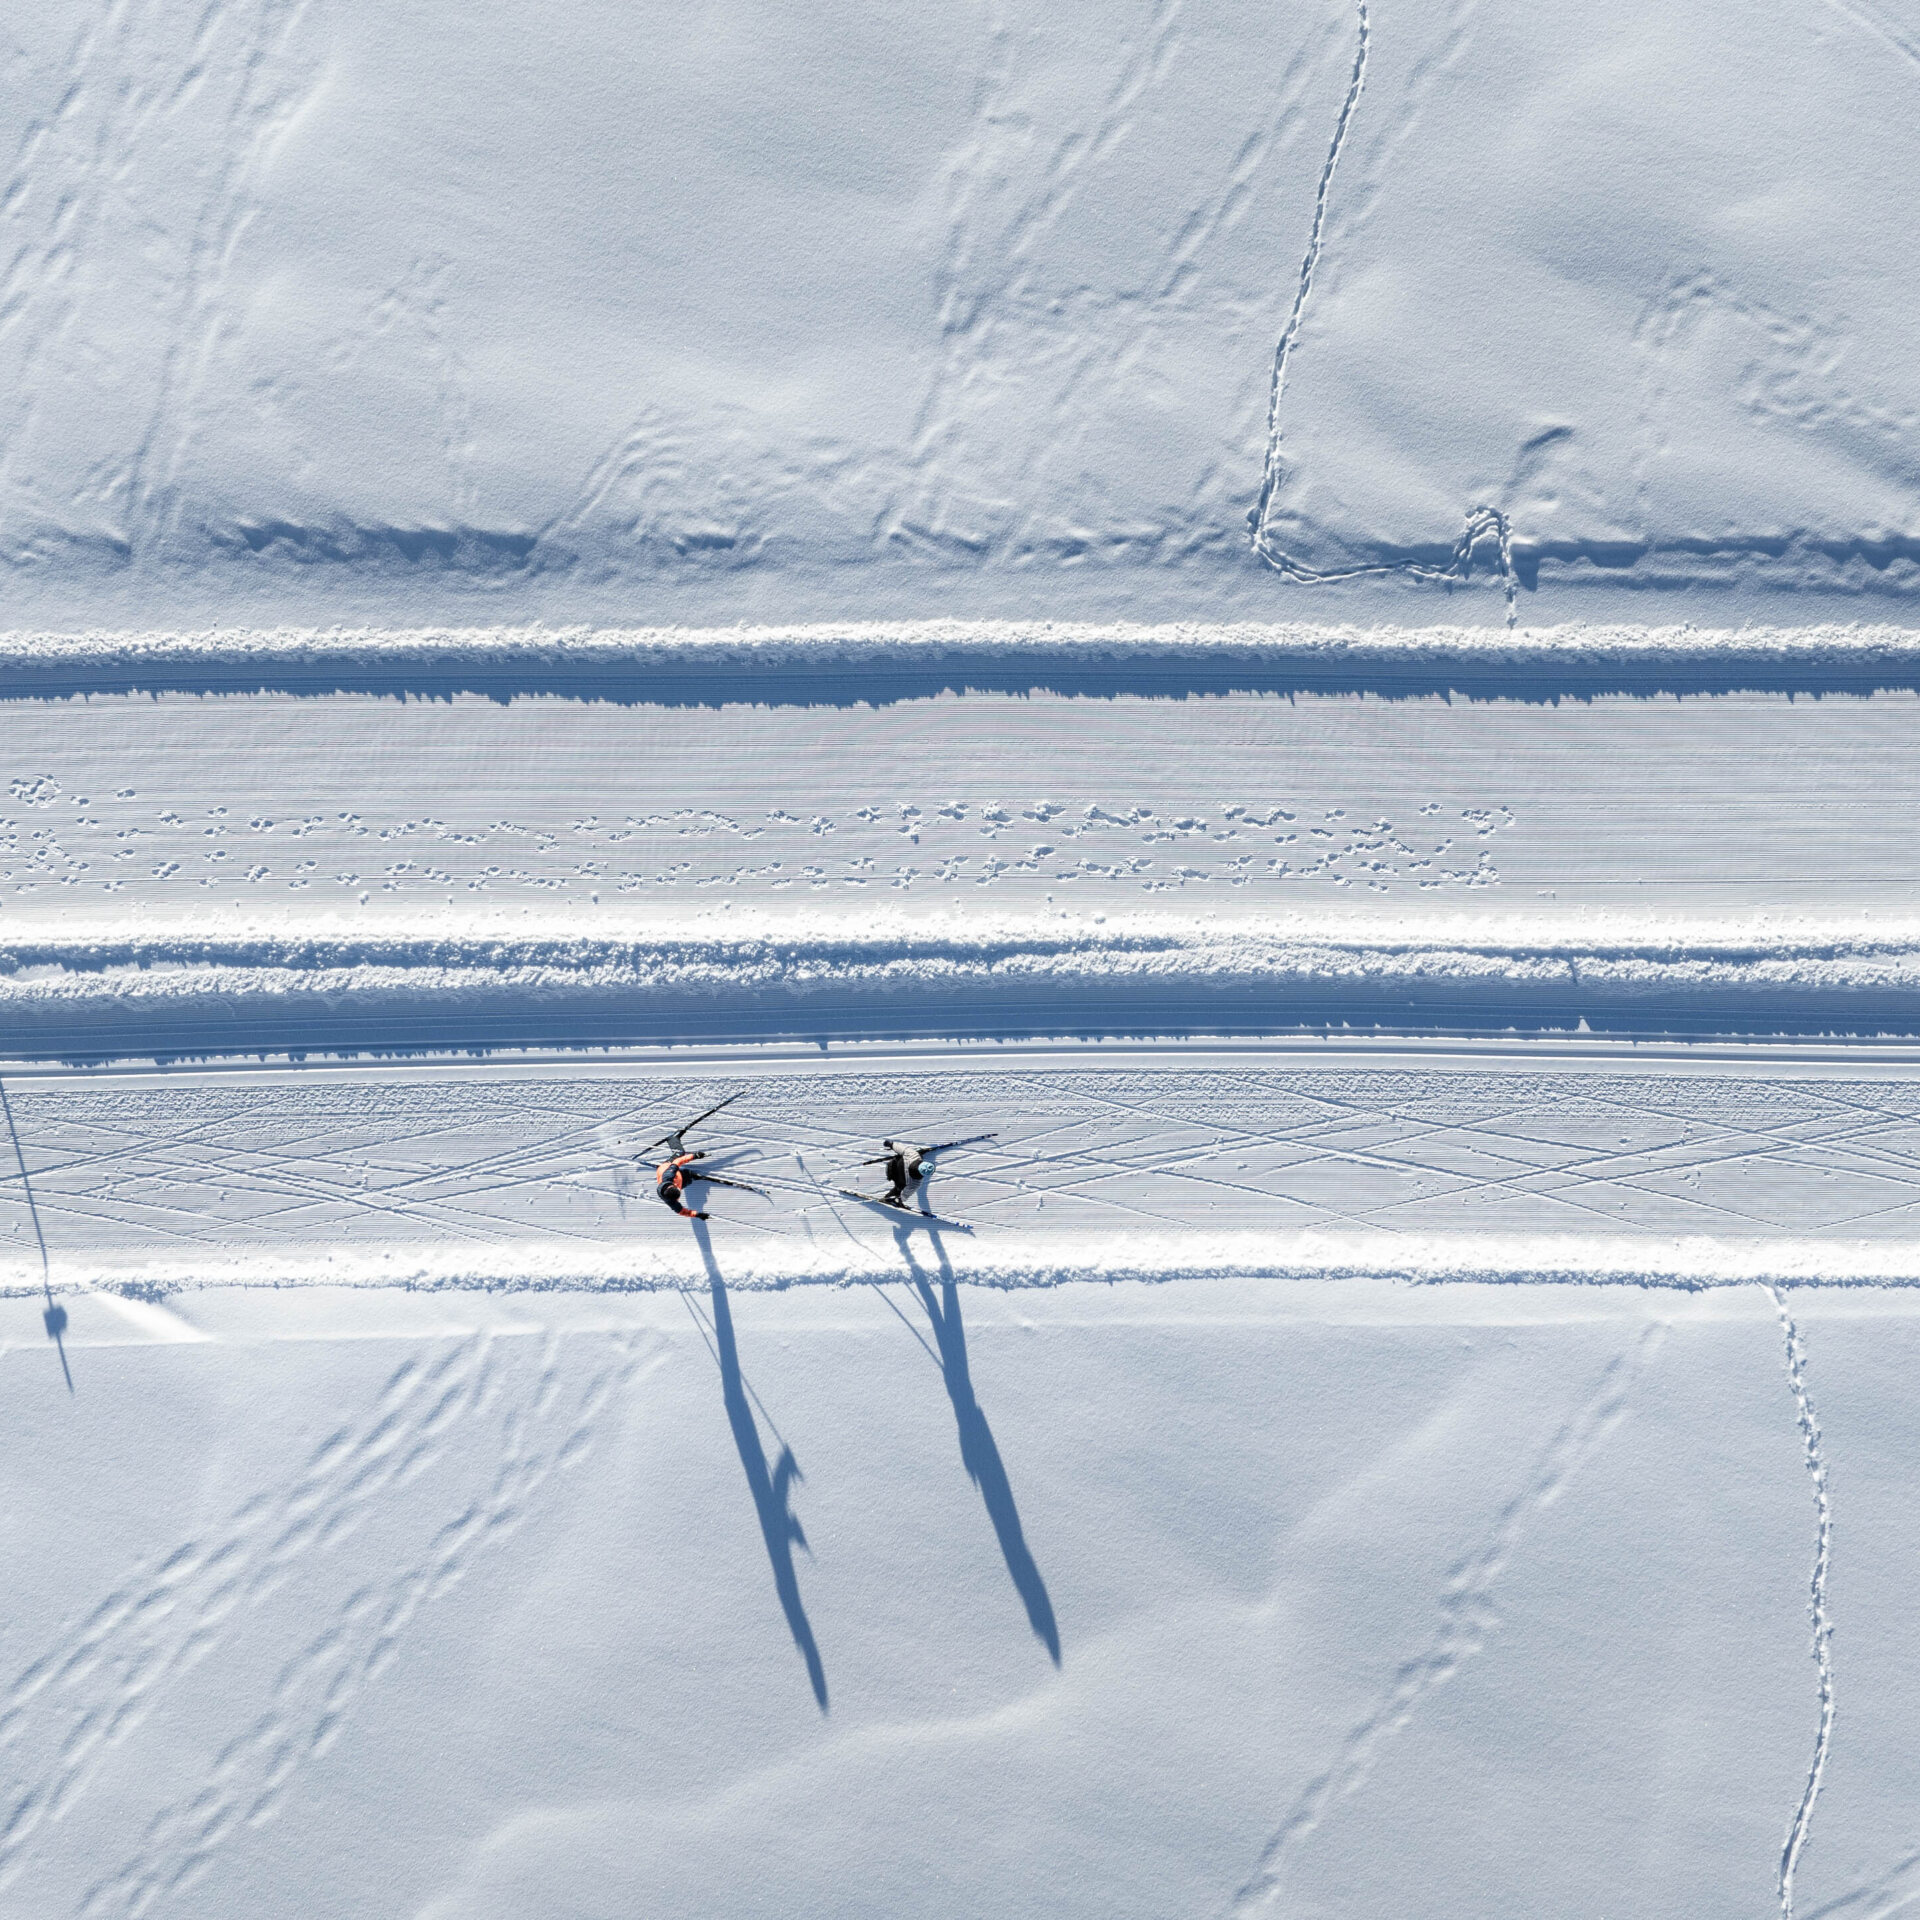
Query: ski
719, 1180
905, 1212
945, 1146
680, 1133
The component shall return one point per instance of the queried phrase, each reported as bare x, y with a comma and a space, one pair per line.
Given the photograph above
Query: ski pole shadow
55, 1317
978, 1452
779, 1525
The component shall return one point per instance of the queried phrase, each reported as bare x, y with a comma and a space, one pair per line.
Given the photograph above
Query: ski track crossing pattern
196, 1174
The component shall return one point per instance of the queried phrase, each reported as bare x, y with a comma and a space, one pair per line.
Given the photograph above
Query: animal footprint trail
546, 1425
1484, 522
1802, 1821
165, 1620
974, 845
64, 1714
1283, 353
1467, 1618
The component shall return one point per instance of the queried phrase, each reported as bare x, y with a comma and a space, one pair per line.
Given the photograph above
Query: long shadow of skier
779, 1526
978, 1453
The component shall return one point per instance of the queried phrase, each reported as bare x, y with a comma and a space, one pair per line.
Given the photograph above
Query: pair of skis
945, 1146
906, 1212
900, 1206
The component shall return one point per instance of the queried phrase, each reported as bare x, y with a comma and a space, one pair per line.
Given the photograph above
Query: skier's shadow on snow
779, 1525
978, 1453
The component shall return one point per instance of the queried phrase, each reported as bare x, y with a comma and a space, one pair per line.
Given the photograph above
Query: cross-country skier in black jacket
905, 1167
671, 1179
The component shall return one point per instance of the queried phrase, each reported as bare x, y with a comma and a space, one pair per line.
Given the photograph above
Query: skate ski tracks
1498, 1165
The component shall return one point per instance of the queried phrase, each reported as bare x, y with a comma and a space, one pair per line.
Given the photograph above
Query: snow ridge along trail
471, 982
443, 838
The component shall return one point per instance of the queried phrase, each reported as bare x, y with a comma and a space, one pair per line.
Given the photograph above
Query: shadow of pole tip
55, 1320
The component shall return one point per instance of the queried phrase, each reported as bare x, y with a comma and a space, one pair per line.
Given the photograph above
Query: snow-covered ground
1214, 1598
890, 563
1018, 309
1230, 1553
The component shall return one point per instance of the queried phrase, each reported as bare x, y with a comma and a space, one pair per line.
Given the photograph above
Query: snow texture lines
992, 248
1020, 333
481, 1428
149, 96
1890, 1895
1802, 1820
418, 303
1792, 376
1029, 330
527, 1180
1872, 18
264, 95
1468, 1616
